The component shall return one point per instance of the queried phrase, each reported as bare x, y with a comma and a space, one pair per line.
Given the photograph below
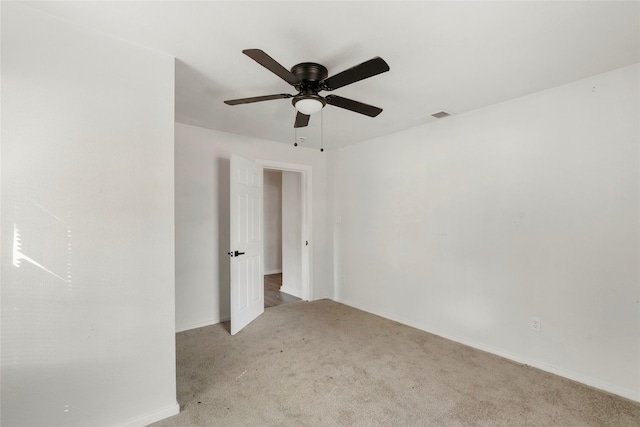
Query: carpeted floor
324, 364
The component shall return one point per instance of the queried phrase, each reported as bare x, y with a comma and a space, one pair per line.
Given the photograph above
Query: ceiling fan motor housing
310, 75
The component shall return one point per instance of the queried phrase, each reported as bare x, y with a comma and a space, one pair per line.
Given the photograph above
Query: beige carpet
325, 364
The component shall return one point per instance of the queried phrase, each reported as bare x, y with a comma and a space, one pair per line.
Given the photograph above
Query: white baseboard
182, 328
592, 382
145, 420
291, 291
276, 271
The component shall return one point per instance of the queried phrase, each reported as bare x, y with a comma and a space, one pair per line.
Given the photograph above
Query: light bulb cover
309, 104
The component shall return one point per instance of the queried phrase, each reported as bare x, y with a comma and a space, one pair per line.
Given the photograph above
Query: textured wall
87, 224
272, 222
292, 233
471, 226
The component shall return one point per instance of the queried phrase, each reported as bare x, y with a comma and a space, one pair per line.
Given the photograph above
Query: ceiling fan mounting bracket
310, 72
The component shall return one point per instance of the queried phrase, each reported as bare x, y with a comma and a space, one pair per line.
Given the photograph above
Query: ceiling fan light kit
308, 104
309, 78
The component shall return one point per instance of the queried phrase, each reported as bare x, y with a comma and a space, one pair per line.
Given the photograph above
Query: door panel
247, 284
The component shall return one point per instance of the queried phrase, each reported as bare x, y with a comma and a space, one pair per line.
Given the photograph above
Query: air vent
440, 114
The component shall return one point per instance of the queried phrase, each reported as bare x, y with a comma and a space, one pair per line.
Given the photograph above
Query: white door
247, 281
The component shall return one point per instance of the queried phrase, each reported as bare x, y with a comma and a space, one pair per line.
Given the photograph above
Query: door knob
236, 253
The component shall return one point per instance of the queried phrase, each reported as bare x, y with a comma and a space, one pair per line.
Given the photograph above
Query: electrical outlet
534, 324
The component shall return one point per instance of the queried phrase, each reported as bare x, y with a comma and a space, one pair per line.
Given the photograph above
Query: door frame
307, 254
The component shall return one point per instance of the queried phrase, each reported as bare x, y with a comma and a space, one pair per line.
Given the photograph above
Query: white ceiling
454, 56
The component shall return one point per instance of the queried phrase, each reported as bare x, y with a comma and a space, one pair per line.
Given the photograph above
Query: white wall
272, 207
292, 233
88, 333
472, 225
202, 219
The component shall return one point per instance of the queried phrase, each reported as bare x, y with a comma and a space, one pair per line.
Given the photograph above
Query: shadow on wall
223, 170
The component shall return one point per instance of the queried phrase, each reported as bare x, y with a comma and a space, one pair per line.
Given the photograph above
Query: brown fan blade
362, 71
272, 65
350, 104
257, 99
302, 120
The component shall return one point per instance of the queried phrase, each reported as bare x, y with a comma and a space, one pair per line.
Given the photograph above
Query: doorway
246, 231
287, 232
282, 237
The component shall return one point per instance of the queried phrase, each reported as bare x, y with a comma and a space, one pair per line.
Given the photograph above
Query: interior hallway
272, 294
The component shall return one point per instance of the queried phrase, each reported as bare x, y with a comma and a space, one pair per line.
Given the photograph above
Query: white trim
202, 324
291, 291
590, 381
145, 420
307, 187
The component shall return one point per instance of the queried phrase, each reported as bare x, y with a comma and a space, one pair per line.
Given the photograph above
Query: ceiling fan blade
257, 99
362, 71
272, 65
302, 120
350, 104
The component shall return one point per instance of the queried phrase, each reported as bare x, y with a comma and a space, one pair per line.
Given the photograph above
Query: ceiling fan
309, 78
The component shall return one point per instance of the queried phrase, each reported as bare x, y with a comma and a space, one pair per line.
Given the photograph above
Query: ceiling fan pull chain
295, 137
321, 130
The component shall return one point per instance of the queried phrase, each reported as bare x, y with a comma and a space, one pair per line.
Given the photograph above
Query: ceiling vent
440, 114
